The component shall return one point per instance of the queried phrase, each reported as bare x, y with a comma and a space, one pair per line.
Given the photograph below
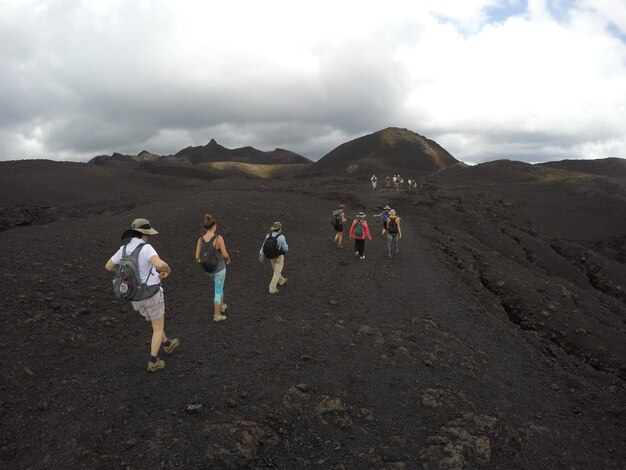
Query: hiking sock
154, 359
167, 343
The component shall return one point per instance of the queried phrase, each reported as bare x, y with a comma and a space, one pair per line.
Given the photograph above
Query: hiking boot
174, 343
224, 307
154, 366
219, 317
282, 283
363, 257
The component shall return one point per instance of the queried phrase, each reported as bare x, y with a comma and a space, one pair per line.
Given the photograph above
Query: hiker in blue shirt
275, 247
383, 218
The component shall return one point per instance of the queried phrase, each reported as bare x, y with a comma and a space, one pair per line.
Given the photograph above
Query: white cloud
485, 78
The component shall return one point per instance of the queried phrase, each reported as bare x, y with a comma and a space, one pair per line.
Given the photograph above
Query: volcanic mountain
390, 150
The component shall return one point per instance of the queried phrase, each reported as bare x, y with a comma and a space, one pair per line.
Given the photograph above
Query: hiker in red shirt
359, 231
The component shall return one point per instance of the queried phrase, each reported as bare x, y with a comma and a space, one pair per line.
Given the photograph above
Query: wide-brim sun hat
360, 215
143, 226
276, 226
387, 208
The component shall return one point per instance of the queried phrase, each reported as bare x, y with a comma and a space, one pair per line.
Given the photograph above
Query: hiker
374, 181
152, 270
383, 218
275, 250
217, 270
388, 181
359, 231
394, 232
339, 218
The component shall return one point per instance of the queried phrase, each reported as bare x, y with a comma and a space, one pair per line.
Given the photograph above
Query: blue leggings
218, 279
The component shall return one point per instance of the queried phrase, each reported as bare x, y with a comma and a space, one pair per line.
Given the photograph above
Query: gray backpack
127, 283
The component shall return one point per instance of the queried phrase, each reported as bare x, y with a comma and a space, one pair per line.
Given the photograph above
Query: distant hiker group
359, 230
396, 181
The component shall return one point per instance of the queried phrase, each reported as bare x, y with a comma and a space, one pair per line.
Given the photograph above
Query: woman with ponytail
218, 276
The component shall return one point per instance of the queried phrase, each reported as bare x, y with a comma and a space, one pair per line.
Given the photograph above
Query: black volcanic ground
495, 339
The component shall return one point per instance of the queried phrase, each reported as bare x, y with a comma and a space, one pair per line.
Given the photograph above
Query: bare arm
161, 266
399, 229
110, 266
198, 249
222, 247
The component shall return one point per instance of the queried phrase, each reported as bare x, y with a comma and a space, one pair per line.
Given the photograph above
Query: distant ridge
391, 150
614, 167
214, 152
509, 171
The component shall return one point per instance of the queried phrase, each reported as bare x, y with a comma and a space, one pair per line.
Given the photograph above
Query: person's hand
261, 259
164, 274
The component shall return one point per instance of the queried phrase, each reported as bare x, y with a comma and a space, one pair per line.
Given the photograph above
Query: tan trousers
277, 278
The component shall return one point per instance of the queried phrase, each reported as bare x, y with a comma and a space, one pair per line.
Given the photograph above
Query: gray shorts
152, 308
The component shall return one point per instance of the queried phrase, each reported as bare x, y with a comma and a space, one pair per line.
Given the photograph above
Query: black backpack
208, 255
270, 246
392, 226
336, 220
127, 283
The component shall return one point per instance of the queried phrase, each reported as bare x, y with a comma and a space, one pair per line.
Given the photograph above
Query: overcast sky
528, 80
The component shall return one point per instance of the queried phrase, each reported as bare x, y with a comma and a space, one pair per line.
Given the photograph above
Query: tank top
221, 264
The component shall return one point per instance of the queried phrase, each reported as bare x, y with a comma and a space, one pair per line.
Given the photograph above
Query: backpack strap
136, 253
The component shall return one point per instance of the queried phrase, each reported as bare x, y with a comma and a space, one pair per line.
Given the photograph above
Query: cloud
485, 78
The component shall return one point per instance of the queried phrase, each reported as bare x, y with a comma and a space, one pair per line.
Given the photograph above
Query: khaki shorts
152, 308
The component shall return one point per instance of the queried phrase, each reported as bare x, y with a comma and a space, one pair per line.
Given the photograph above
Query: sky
527, 80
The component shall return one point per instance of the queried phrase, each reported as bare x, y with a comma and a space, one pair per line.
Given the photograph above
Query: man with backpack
359, 231
138, 273
383, 217
274, 248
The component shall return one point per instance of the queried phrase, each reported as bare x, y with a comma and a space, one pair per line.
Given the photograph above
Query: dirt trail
371, 363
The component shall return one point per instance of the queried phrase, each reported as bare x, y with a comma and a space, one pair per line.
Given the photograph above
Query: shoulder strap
135, 252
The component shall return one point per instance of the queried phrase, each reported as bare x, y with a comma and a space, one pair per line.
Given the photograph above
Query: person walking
374, 181
207, 243
153, 269
394, 232
339, 218
383, 218
359, 231
274, 248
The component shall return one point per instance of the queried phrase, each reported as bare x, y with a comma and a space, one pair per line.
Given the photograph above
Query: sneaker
363, 257
274, 292
219, 317
154, 366
282, 283
224, 307
174, 343
356, 253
